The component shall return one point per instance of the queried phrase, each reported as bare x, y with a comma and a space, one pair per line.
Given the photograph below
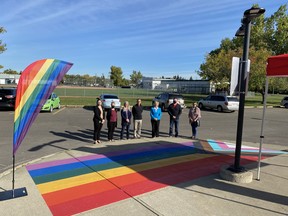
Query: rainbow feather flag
36, 84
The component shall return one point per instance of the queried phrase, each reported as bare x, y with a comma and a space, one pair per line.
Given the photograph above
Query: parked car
108, 98
284, 102
166, 98
220, 102
7, 98
52, 103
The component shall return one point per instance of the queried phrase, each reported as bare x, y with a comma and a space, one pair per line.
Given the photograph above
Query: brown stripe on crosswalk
206, 146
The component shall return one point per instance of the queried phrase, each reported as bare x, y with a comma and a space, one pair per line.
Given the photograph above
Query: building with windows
7, 79
183, 86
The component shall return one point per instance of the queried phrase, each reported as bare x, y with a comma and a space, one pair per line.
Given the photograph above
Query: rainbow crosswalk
74, 185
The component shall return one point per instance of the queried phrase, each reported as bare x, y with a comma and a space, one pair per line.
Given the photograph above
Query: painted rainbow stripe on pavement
74, 185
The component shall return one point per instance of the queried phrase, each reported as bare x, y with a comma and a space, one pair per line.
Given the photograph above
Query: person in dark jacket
98, 119
137, 110
125, 120
174, 111
111, 121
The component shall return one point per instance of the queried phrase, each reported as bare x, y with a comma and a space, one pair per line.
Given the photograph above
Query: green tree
88, 80
136, 78
116, 75
125, 82
102, 80
178, 77
257, 73
10, 71
2, 45
276, 31
268, 37
217, 67
277, 85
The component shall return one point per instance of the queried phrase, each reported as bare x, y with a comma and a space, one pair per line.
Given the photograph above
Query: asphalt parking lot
70, 128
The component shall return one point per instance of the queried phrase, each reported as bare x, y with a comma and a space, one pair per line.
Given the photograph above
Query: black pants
111, 129
155, 127
97, 129
126, 126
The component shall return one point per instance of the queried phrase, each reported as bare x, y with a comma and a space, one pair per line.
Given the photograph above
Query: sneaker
95, 142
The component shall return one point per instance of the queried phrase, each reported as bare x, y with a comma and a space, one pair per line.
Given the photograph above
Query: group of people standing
111, 117
174, 111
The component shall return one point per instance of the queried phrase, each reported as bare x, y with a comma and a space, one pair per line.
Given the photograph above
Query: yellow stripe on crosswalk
115, 172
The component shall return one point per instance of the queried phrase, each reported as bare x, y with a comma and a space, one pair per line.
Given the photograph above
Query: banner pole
13, 177
262, 128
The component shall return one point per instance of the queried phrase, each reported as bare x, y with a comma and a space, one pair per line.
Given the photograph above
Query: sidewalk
191, 185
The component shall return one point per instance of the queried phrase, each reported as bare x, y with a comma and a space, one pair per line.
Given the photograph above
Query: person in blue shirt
155, 114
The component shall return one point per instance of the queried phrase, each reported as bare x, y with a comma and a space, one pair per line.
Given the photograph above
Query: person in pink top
194, 116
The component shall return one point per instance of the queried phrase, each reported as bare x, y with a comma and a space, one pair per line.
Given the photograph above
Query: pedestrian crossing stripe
74, 185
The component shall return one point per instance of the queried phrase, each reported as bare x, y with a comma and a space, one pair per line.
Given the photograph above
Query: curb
9, 171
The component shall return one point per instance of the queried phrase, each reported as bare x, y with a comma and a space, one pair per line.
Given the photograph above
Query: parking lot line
59, 110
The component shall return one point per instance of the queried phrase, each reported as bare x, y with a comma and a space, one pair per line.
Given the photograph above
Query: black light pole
249, 15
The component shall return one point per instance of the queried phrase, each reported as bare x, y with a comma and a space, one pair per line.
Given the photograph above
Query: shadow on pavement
39, 147
215, 183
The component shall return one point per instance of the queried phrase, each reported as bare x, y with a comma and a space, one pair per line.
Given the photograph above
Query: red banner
277, 66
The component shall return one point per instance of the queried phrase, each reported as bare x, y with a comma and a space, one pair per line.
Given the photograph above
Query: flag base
11, 194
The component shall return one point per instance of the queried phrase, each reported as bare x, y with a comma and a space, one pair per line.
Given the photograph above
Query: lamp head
241, 31
253, 13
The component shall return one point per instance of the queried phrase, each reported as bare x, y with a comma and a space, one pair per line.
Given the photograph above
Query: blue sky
156, 37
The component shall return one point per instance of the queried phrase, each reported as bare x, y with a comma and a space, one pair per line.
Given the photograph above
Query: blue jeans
125, 126
172, 122
194, 128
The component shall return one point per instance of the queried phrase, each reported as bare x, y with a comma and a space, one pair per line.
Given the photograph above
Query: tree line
115, 78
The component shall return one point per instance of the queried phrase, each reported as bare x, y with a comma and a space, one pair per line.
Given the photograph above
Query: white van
220, 102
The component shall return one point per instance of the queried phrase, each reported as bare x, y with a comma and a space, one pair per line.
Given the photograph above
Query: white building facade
8, 79
183, 86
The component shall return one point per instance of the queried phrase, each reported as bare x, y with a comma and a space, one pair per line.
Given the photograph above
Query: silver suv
220, 102
284, 102
166, 98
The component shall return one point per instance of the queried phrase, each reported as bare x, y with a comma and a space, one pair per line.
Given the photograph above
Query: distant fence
96, 92
121, 92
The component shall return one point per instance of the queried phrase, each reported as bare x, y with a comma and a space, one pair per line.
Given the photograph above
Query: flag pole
13, 177
14, 193
262, 129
